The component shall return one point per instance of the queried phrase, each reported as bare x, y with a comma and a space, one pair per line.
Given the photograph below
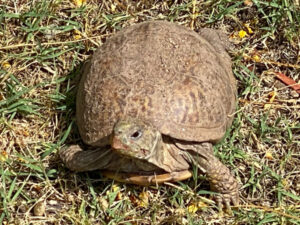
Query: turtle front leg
222, 181
78, 160
220, 178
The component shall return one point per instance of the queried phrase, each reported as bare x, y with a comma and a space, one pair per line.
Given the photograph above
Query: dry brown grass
42, 46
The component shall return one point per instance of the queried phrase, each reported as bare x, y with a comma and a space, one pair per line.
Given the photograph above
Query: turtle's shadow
70, 89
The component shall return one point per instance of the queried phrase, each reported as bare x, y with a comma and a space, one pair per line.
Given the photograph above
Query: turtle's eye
136, 135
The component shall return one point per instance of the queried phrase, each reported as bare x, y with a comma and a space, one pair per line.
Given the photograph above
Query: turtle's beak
117, 144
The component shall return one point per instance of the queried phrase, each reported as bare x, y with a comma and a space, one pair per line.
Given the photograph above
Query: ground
43, 45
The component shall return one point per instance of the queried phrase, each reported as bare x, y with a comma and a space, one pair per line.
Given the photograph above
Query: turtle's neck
167, 156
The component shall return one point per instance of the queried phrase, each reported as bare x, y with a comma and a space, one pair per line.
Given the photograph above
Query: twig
272, 62
267, 209
288, 81
194, 2
54, 43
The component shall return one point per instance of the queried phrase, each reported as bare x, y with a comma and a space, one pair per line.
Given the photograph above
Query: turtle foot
78, 160
223, 182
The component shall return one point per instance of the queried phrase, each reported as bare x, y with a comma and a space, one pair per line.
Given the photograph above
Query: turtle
152, 101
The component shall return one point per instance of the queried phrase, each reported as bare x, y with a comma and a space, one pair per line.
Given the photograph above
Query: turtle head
134, 138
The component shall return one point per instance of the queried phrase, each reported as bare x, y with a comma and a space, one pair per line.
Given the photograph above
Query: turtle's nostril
118, 132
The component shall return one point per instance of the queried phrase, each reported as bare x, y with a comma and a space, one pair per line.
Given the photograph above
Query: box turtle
153, 100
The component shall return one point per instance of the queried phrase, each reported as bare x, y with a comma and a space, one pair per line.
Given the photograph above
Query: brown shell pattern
160, 72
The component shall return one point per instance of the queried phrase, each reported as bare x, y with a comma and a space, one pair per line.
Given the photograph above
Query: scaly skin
78, 160
103, 158
222, 181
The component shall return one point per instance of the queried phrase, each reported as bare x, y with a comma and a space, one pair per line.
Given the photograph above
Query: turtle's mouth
118, 145
121, 148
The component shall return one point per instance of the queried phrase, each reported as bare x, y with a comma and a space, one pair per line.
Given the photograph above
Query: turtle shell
161, 72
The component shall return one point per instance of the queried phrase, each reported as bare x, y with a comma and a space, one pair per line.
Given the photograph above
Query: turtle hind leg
78, 160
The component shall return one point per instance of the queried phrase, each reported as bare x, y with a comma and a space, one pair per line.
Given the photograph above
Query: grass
42, 47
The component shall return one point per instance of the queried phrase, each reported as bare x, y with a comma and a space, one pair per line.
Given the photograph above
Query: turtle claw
226, 197
225, 201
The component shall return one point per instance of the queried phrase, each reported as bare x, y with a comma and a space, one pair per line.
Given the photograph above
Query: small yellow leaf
284, 183
201, 204
3, 156
144, 199
5, 65
256, 58
272, 96
115, 188
113, 7
248, 2
77, 34
267, 106
79, 3
21, 159
192, 208
119, 196
268, 155
247, 25
25, 133
242, 34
